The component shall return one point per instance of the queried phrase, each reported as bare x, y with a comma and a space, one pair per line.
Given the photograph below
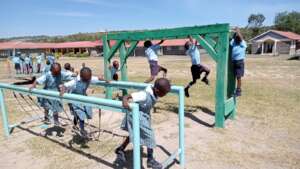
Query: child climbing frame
104, 104
213, 38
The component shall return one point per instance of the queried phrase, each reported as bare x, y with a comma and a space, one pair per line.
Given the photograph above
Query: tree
288, 21
255, 22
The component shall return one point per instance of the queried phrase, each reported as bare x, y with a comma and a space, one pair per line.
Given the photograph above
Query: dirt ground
265, 133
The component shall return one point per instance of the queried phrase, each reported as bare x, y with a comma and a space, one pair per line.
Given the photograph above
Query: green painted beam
229, 106
124, 77
133, 45
114, 49
210, 50
173, 33
106, 61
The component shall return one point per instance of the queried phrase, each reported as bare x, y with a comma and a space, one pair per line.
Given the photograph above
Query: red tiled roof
31, 45
79, 44
290, 35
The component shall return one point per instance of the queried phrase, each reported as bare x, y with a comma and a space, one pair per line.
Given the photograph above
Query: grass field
264, 135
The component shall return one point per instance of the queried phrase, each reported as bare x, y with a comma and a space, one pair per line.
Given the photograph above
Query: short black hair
85, 69
147, 43
54, 65
67, 66
186, 46
162, 84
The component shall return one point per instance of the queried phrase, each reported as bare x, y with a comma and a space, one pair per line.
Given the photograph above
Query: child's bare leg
239, 86
151, 162
120, 150
46, 116
186, 89
164, 70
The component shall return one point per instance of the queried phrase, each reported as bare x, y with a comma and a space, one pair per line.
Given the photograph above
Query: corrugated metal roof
290, 35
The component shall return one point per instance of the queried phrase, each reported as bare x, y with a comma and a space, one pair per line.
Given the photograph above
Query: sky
63, 17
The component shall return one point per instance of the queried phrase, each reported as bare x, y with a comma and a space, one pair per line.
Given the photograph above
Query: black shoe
152, 163
120, 156
46, 120
186, 92
205, 80
238, 92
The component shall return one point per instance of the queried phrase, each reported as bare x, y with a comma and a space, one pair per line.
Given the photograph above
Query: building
169, 47
10, 48
275, 42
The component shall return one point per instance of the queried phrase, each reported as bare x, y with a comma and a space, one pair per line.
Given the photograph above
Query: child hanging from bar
151, 53
79, 86
52, 80
114, 69
197, 68
238, 53
146, 100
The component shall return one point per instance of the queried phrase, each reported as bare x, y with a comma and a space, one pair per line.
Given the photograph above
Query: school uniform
238, 54
39, 59
114, 73
146, 101
52, 83
46, 69
27, 63
51, 59
197, 68
80, 112
16, 60
152, 55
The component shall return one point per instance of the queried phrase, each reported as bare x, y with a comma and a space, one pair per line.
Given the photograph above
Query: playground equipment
104, 104
213, 38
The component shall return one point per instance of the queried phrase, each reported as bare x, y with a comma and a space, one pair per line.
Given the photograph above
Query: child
151, 53
16, 60
197, 68
51, 81
39, 59
146, 100
114, 68
47, 67
68, 70
27, 64
238, 53
51, 58
80, 86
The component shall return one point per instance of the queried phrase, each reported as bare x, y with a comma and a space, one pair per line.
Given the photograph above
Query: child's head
162, 86
55, 69
147, 43
237, 38
47, 62
67, 66
187, 45
116, 64
85, 74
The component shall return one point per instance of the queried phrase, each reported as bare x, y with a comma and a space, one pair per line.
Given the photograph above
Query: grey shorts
154, 68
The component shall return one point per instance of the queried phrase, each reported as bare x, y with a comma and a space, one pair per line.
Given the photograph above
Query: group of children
67, 81
28, 64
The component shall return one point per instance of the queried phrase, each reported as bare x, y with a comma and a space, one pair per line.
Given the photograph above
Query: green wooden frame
213, 38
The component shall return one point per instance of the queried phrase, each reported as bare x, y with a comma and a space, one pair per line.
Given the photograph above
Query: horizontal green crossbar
173, 33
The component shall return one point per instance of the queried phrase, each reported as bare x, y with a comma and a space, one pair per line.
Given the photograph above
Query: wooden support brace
210, 50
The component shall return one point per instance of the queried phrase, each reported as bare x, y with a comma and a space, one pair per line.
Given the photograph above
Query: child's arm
95, 79
192, 40
67, 85
238, 32
125, 101
161, 41
40, 80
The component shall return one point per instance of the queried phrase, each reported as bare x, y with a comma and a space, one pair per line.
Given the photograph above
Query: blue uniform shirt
151, 52
238, 50
194, 53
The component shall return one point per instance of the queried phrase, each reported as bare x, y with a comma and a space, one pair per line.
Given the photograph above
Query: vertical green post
221, 80
106, 60
231, 84
4, 114
123, 58
181, 127
136, 137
